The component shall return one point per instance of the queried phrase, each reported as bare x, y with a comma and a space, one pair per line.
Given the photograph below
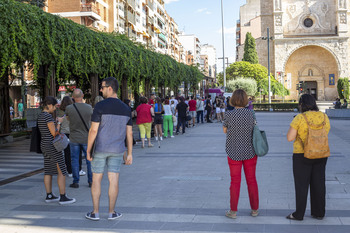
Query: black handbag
35, 140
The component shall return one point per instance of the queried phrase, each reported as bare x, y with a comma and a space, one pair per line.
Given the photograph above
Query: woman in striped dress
54, 162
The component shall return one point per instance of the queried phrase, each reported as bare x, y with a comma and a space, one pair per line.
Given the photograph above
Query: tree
38, 3
343, 88
249, 85
250, 54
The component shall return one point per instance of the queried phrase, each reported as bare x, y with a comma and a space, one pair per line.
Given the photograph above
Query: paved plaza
181, 187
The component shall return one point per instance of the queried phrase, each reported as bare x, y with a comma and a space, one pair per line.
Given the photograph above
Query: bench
338, 113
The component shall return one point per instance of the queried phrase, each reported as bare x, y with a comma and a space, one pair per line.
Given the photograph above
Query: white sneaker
70, 175
172, 136
156, 138
161, 138
82, 173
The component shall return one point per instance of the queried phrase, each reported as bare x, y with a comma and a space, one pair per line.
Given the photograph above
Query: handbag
260, 144
60, 142
35, 140
188, 118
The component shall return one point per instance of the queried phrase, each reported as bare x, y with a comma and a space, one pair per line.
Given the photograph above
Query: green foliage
256, 71
27, 33
250, 55
276, 107
249, 85
38, 3
18, 125
343, 88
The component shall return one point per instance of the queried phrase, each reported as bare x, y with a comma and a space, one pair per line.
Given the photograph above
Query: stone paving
184, 187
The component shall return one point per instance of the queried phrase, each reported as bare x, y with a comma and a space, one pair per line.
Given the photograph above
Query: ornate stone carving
292, 9
278, 20
342, 17
324, 8
278, 5
342, 4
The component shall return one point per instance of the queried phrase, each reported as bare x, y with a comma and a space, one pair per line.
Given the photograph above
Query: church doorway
311, 88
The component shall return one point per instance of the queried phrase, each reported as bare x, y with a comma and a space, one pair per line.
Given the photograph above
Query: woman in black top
54, 162
238, 127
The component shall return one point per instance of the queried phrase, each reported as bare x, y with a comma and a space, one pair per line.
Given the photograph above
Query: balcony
90, 10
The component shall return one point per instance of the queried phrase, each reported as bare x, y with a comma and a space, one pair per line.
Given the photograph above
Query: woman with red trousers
238, 126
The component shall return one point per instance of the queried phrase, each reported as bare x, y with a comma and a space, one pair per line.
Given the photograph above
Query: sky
203, 18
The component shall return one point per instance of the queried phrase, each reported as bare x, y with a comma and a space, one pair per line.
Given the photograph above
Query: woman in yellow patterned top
307, 172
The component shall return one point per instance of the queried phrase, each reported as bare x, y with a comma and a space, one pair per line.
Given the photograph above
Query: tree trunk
186, 90
5, 120
136, 98
147, 89
95, 89
124, 88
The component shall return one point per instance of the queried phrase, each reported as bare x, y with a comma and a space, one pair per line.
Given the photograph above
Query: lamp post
223, 43
268, 38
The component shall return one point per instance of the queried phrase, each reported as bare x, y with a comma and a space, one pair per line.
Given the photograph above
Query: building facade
210, 51
310, 43
192, 45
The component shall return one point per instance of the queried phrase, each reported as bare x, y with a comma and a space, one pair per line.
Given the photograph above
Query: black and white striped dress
239, 138
52, 157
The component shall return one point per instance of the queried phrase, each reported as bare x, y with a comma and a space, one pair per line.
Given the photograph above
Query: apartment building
210, 51
192, 45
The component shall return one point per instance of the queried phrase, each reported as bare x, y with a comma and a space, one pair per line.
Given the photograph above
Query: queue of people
104, 137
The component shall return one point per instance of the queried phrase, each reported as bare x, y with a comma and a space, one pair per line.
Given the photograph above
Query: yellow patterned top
299, 123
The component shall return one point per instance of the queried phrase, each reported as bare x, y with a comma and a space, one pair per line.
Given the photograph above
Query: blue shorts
113, 161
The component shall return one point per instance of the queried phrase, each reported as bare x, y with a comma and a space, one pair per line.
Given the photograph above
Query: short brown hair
239, 98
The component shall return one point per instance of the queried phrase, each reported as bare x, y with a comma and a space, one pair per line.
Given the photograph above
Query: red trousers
249, 167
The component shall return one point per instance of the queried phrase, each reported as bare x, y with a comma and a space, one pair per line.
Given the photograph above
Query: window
308, 22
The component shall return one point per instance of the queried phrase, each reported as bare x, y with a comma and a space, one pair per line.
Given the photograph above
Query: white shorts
222, 110
193, 114
218, 110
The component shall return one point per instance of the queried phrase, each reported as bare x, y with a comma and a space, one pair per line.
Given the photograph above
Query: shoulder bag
60, 142
260, 144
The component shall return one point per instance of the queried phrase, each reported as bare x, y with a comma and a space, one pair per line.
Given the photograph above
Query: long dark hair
307, 103
159, 104
65, 102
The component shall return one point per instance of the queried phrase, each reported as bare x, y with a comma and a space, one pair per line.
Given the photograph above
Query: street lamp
223, 44
268, 38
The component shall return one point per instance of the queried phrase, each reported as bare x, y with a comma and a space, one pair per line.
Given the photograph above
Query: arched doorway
313, 65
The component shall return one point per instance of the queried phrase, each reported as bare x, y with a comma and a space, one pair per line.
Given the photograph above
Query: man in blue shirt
111, 123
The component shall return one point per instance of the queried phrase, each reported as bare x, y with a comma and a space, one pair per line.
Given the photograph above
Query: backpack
316, 143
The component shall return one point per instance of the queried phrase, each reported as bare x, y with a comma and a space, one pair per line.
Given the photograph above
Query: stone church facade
310, 43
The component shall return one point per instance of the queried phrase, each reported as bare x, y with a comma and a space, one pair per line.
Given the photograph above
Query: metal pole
268, 62
223, 44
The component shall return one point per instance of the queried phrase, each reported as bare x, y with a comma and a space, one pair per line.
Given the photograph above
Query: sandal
254, 213
151, 145
291, 217
231, 214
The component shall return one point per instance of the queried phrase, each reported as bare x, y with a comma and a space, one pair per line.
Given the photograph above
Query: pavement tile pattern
182, 187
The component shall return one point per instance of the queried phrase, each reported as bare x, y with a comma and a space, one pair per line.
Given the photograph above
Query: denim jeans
200, 116
75, 149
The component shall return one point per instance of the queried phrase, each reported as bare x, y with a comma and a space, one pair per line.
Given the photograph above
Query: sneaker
156, 138
114, 215
172, 136
70, 175
92, 216
82, 173
74, 185
254, 213
51, 198
64, 200
161, 138
90, 184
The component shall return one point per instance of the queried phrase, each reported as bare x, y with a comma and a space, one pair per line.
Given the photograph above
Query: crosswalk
17, 162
